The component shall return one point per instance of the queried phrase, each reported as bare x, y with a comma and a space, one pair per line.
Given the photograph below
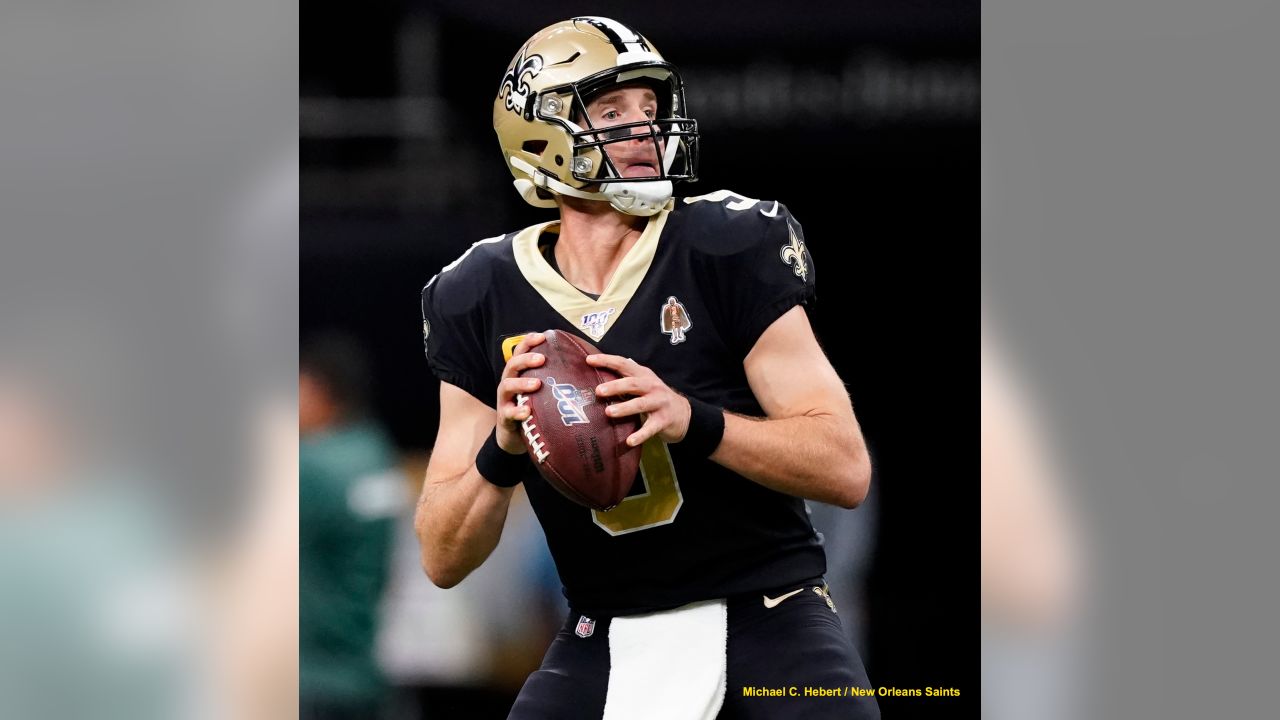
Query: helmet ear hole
534, 146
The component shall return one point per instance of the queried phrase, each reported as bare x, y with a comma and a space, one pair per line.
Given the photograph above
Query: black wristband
499, 466
706, 428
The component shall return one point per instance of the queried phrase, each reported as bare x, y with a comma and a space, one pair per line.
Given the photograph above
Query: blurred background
148, 304
862, 119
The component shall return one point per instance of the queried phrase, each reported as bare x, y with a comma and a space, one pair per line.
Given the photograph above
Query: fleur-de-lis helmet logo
514, 89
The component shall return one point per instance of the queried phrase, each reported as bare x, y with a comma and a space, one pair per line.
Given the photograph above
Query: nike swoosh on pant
773, 602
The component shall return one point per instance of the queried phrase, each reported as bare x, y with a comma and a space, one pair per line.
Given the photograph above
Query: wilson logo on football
570, 401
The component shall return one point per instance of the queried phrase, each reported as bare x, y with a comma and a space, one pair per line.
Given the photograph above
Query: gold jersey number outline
661, 500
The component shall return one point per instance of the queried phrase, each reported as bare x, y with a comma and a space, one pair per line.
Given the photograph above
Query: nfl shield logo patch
586, 626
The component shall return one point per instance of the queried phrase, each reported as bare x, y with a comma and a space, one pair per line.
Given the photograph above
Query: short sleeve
769, 273
452, 335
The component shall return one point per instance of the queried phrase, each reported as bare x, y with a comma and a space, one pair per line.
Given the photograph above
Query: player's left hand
667, 410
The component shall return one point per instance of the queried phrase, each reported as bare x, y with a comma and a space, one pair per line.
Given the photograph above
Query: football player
701, 595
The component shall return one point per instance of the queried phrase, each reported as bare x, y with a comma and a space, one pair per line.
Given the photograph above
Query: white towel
669, 664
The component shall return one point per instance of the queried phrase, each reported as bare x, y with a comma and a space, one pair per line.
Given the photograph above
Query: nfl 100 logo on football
570, 401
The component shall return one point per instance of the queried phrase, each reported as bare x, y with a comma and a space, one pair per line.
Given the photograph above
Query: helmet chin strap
642, 199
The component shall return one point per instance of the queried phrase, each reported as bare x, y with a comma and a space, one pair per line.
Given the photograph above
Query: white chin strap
633, 198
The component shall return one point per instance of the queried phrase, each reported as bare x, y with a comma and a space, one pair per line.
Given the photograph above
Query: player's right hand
509, 414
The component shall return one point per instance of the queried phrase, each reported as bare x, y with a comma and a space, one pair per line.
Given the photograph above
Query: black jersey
706, 278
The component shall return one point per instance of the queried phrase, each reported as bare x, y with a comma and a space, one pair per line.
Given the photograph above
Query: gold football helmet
544, 95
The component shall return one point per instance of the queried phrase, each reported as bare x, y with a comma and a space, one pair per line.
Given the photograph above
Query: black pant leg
795, 645
574, 677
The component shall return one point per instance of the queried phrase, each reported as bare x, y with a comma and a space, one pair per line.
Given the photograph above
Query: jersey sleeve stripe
459, 261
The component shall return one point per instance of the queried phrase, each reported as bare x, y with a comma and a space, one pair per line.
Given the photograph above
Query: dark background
863, 121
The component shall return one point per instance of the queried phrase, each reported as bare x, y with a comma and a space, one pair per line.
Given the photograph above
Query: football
578, 449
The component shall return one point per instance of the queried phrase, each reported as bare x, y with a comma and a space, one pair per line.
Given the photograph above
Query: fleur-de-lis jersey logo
796, 255
515, 86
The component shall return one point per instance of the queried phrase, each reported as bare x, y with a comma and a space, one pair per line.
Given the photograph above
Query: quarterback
708, 577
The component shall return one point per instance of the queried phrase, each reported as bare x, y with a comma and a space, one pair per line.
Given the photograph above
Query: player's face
641, 157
